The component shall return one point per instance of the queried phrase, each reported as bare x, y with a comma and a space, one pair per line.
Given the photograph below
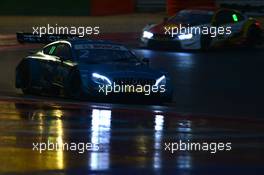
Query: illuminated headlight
185, 36
147, 34
161, 81
100, 79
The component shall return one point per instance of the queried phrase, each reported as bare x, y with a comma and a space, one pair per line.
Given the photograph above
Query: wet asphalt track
218, 98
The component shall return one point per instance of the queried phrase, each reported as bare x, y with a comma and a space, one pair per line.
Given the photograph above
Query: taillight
257, 24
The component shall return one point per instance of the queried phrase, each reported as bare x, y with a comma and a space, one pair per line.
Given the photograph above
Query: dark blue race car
91, 69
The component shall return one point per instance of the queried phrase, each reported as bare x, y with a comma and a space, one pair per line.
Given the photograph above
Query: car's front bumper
99, 95
170, 43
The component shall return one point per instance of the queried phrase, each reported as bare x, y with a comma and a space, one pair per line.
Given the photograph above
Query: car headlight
101, 79
147, 34
161, 81
185, 36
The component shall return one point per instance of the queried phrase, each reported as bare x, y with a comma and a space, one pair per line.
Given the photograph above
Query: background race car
91, 69
203, 28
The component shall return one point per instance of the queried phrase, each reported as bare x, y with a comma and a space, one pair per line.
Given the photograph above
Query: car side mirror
61, 58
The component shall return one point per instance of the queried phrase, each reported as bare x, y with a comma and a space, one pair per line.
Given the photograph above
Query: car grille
134, 81
162, 37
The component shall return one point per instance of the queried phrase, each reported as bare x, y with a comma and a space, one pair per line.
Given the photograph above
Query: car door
48, 66
64, 54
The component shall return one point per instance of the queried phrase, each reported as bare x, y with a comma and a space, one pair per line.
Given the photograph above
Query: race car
203, 28
92, 69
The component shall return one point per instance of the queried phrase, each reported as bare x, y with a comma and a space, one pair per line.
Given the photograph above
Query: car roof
75, 41
91, 41
203, 8
208, 9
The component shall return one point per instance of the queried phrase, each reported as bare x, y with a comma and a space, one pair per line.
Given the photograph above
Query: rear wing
32, 38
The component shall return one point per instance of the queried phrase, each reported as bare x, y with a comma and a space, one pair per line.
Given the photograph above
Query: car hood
120, 70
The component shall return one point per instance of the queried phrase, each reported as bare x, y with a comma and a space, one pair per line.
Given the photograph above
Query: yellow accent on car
247, 25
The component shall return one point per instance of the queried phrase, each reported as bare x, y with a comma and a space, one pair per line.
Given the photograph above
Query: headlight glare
161, 81
147, 34
101, 79
185, 36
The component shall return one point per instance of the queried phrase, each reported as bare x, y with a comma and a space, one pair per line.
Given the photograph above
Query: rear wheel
27, 81
253, 36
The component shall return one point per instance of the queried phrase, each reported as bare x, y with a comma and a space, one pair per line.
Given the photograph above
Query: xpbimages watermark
80, 147
81, 31
212, 147
125, 88
197, 30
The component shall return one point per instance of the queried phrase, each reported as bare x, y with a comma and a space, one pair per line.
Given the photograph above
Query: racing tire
206, 41
163, 101
167, 100
253, 37
74, 88
27, 81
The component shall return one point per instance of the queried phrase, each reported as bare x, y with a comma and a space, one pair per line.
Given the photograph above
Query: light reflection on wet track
130, 141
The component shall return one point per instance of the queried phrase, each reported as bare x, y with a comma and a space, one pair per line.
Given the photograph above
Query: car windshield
197, 17
104, 53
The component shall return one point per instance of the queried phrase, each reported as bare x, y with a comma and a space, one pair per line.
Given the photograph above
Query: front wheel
206, 41
74, 86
